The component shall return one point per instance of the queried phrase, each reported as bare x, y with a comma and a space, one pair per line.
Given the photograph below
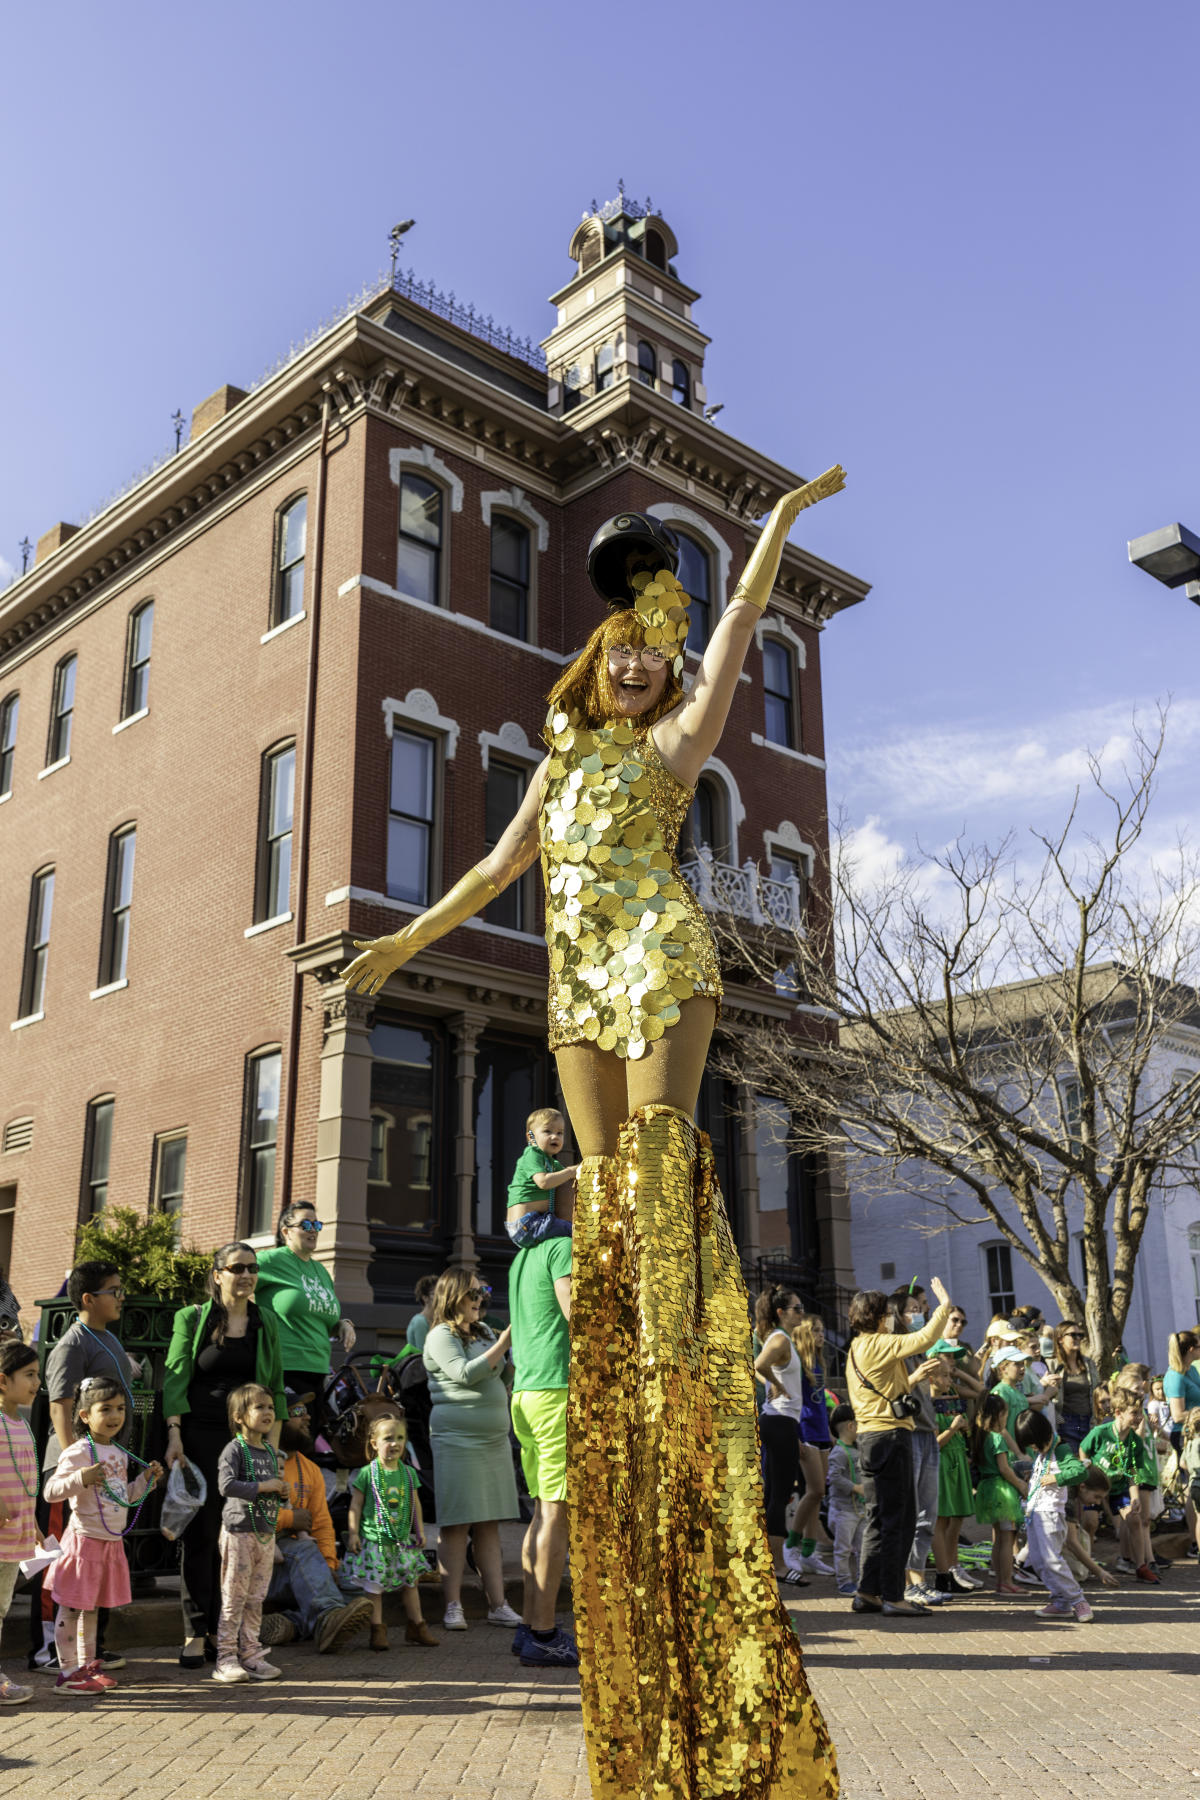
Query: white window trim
670, 512
4, 797
778, 627
510, 740
420, 708
814, 762
277, 629
123, 724
110, 987
733, 801
283, 918
787, 837
424, 456
516, 500
29, 1019
50, 767
371, 586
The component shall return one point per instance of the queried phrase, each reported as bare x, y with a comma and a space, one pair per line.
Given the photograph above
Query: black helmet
611, 545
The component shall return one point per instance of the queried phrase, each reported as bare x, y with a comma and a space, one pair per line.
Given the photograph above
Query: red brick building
287, 688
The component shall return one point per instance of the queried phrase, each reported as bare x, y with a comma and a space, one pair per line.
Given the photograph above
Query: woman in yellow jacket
878, 1384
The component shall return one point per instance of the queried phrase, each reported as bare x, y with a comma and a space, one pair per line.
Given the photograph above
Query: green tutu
997, 1502
386, 1565
956, 1497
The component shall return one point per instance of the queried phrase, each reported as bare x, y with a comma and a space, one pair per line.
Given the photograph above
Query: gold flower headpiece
662, 606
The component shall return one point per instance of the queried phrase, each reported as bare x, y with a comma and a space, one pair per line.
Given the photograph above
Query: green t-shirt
541, 1337
1016, 1402
990, 1450
523, 1188
1125, 1461
301, 1296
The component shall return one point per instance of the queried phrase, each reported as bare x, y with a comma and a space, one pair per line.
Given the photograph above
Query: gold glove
758, 578
381, 956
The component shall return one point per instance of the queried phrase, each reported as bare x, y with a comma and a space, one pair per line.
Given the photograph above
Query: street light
1172, 556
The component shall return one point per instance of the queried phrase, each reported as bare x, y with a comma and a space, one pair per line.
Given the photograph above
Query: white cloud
7, 571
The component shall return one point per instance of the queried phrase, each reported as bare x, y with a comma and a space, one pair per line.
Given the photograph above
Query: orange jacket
306, 1488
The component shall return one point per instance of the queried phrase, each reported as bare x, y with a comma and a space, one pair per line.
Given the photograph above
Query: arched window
410, 817
260, 1133
419, 553
290, 544
695, 578
277, 795
593, 250
656, 249
647, 363
605, 373
137, 660
62, 711
779, 694
118, 900
37, 944
509, 608
681, 383
707, 822
97, 1154
8, 741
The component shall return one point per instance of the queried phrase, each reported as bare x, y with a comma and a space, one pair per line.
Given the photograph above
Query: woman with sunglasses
1078, 1380
468, 1427
300, 1293
215, 1348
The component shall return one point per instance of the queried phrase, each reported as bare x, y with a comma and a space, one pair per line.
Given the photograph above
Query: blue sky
950, 246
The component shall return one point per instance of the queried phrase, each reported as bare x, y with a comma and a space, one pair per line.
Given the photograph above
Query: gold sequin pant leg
692, 1680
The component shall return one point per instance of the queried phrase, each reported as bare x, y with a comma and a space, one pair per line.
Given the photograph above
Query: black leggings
199, 1547
781, 1467
886, 1464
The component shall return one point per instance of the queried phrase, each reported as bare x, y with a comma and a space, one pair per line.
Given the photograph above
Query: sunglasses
298, 1412
117, 1293
1071, 1334
240, 1269
309, 1225
479, 1294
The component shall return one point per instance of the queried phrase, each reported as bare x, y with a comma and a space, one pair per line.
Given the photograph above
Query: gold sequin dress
626, 936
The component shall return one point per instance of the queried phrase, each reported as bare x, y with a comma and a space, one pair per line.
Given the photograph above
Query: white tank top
789, 1377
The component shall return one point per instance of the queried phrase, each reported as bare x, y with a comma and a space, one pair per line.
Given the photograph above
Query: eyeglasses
1070, 1334
117, 1293
240, 1269
649, 659
298, 1412
309, 1225
479, 1294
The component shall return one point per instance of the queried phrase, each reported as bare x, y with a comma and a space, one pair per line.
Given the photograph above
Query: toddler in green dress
956, 1496
386, 1536
1000, 1490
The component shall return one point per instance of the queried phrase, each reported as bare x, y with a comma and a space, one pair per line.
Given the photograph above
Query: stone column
344, 1144
465, 1029
750, 1247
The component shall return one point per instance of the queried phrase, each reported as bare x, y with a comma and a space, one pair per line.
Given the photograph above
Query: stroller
401, 1390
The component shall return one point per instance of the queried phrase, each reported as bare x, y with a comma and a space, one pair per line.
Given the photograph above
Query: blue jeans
532, 1227
926, 1457
303, 1587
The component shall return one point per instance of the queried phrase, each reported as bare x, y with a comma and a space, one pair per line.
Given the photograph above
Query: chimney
53, 540
214, 408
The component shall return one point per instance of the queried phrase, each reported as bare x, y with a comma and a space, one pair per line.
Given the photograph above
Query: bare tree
995, 1041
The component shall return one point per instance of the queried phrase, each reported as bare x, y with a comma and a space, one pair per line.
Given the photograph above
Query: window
505, 792
694, 573
275, 833
410, 819
37, 943
1001, 1297
170, 1162
260, 1131
62, 710
511, 1078
289, 561
1194, 1253
118, 896
137, 660
96, 1156
510, 577
707, 822
1071, 1113
593, 250
8, 740
656, 249
8, 1217
605, 373
681, 383
647, 363
405, 1085
791, 870
777, 694
419, 554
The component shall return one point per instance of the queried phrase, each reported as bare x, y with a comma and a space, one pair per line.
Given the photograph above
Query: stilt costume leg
693, 1682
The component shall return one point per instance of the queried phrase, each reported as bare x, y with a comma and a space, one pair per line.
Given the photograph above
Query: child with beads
386, 1536
956, 1496
1000, 1490
1056, 1468
530, 1214
93, 1474
1122, 1450
250, 1485
19, 1534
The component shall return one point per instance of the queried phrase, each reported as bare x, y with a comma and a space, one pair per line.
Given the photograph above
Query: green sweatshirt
188, 1331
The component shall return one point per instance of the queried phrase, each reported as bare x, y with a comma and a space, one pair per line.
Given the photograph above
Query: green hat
947, 1347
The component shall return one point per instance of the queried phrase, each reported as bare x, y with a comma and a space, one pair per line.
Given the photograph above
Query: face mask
1046, 1346
916, 1321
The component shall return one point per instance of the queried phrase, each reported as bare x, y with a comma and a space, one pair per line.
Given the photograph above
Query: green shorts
540, 1421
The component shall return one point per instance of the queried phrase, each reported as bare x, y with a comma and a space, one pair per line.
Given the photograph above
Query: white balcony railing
746, 893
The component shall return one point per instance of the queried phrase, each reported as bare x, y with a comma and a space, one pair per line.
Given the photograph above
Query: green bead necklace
30, 1493
268, 1501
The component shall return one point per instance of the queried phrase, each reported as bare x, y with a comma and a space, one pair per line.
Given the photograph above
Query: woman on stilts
692, 1680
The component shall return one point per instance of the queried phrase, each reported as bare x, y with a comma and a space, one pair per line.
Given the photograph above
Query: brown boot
420, 1634
379, 1637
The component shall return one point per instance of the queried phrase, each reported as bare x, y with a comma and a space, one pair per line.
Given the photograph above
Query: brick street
931, 1709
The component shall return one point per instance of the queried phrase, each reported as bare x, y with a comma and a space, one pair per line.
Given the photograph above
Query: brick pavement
934, 1709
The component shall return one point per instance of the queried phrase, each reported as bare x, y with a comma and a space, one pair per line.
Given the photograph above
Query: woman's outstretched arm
687, 737
516, 851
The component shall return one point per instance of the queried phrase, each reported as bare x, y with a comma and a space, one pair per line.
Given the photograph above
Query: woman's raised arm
687, 737
515, 852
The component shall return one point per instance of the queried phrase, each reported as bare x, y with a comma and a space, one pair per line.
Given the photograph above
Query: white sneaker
453, 1619
503, 1615
229, 1672
814, 1565
1123, 1566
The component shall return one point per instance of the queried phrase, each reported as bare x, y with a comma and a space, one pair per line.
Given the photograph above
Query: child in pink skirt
19, 1534
93, 1474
